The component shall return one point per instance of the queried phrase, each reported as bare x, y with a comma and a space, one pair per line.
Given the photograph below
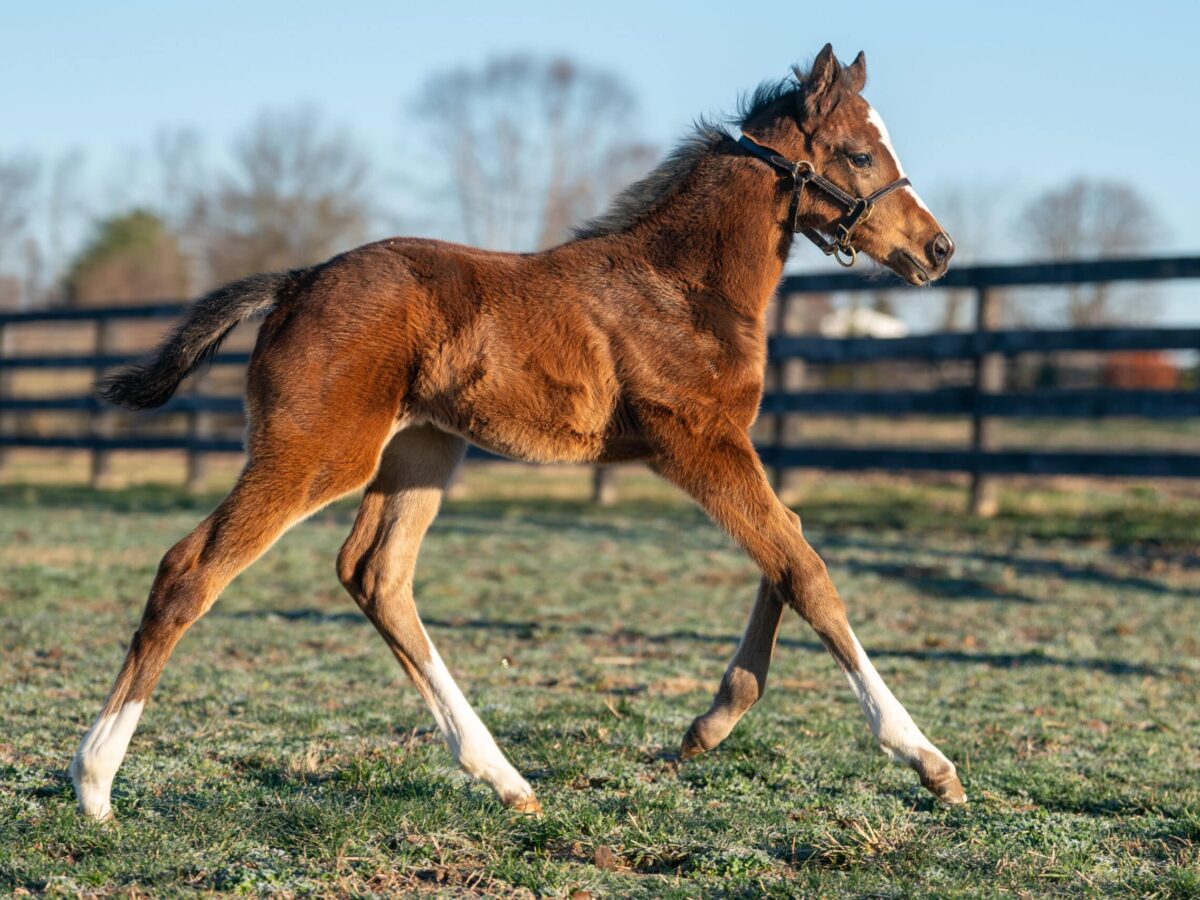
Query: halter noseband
858, 209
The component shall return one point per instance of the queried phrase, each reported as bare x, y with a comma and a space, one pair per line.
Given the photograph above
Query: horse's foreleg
723, 474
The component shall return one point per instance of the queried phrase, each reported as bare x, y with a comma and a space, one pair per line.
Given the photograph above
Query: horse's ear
856, 73
821, 80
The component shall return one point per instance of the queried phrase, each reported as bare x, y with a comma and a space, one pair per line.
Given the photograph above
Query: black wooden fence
987, 347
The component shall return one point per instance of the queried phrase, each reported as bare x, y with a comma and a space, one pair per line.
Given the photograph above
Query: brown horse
641, 339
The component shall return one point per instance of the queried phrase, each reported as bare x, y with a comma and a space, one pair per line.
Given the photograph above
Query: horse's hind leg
376, 566
267, 499
745, 678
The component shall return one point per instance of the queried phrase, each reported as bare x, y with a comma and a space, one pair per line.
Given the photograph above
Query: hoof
526, 806
93, 800
94, 804
706, 732
691, 745
949, 791
939, 777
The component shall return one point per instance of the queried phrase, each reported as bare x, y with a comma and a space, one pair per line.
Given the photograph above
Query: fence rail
960, 401
987, 347
993, 462
101, 360
967, 345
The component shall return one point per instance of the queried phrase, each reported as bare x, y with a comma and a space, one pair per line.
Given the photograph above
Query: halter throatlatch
858, 209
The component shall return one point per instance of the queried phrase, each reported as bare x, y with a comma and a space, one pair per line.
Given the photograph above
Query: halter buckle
858, 209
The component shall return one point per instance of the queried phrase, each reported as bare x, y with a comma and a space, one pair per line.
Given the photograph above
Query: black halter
858, 209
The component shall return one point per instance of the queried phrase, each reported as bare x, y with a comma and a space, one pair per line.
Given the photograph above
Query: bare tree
297, 194
179, 174
66, 211
1089, 219
182, 195
18, 183
18, 187
533, 146
41, 212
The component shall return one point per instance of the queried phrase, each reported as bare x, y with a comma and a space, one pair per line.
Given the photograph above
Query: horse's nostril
941, 248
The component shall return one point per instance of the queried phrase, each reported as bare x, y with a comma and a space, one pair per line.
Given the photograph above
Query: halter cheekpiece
858, 209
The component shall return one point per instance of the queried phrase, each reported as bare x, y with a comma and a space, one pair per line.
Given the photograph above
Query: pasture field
1053, 653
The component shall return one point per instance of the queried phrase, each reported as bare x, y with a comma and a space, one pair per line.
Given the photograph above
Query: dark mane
645, 195
767, 94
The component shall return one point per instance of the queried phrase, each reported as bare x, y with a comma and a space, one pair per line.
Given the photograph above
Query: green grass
1052, 653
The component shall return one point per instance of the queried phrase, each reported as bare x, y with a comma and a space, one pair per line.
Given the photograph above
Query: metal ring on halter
858, 209
850, 253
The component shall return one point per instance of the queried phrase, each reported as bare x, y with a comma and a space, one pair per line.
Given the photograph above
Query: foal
641, 339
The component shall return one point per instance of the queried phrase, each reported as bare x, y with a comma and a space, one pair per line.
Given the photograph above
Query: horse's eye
860, 160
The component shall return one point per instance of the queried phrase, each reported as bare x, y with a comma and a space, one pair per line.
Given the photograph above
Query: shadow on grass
934, 581
1023, 566
655, 521
1139, 524
531, 629
151, 498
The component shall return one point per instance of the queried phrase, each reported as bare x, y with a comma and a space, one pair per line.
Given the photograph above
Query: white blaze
873, 118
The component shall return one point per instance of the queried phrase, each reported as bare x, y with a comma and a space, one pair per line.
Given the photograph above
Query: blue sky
1016, 96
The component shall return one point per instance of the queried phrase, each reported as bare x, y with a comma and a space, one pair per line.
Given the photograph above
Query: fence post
604, 485
783, 303
101, 419
199, 427
989, 379
7, 419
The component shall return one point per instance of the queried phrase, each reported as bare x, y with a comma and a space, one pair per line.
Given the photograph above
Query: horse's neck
722, 232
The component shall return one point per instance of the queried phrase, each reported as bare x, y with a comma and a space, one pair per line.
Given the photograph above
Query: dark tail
193, 342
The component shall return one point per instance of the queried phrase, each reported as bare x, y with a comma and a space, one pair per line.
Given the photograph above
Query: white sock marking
470, 742
894, 729
99, 756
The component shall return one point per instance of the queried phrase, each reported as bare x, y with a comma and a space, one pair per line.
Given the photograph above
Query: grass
1053, 653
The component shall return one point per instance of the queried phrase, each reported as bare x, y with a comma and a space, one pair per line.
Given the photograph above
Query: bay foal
641, 339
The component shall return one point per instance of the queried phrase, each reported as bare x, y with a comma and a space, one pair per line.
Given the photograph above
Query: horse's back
500, 348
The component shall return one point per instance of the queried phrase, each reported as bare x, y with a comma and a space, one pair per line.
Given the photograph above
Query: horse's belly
524, 416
